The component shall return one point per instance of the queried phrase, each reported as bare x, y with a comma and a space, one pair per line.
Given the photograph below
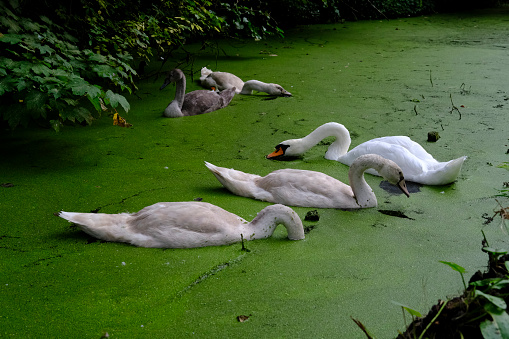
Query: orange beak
278, 152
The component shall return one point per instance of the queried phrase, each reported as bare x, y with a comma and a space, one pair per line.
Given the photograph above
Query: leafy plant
457, 268
46, 76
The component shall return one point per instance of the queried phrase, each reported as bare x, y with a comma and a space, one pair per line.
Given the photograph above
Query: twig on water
430, 79
415, 110
244, 248
454, 108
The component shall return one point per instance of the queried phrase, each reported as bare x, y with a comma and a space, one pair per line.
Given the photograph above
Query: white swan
195, 102
417, 164
224, 80
186, 225
312, 189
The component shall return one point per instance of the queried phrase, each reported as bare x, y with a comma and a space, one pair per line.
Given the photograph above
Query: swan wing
202, 101
307, 189
184, 225
410, 164
413, 147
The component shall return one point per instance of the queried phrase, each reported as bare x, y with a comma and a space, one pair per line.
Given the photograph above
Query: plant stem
434, 318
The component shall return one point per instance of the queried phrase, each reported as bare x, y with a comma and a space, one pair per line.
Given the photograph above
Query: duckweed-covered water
397, 77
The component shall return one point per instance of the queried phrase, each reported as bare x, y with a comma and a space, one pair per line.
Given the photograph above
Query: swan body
309, 188
195, 102
418, 165
220, 80
224, 80
185, 225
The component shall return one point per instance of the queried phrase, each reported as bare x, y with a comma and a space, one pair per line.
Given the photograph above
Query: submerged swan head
389, 170
275, 89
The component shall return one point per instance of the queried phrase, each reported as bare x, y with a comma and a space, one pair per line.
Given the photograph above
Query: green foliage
410, 311
156, 28
487, 297
456, 268
46, 76
291, 12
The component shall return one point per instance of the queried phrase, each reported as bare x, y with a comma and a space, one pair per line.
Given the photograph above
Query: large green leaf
35, 103
11, 38
78, 113
499, 327
22, 68
114, 99
6, 85
499, 302
45, 49
454, 266
41, 69
16, 115
81, 87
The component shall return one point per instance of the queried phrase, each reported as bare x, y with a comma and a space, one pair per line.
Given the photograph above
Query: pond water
378, 78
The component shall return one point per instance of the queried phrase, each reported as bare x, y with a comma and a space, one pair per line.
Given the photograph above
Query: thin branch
454, 108
378, 10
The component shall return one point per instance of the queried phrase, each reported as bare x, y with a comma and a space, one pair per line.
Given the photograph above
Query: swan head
288, 149
278, 90
393, 174
173, 76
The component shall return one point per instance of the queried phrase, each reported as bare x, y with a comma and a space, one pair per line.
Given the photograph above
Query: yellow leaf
119, 121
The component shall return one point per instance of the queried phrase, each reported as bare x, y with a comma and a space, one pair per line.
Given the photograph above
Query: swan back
203, 101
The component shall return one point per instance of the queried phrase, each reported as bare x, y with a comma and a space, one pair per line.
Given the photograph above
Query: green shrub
46, 77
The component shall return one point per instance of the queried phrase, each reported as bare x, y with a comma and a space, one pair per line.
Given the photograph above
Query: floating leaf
119, 121
242, 318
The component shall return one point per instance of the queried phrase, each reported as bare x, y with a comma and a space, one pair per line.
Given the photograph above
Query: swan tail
446, 174
205, 73
237, 182
109, 227
228, 95
454, 167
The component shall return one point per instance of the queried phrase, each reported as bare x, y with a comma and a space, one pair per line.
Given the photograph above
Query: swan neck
180, 91
251, 85
255, 85
270, 217
362, 191
340, 145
